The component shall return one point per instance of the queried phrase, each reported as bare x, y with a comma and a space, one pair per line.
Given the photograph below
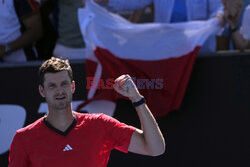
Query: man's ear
73, 86
41, 90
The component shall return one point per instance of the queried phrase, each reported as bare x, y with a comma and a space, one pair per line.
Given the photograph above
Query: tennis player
65, 138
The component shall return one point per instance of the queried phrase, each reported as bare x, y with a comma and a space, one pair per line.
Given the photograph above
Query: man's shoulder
31, 127
88, 115
92, 116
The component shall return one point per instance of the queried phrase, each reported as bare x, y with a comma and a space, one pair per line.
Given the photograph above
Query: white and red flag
158, 56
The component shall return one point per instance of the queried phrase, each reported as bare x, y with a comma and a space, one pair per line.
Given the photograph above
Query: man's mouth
60, 98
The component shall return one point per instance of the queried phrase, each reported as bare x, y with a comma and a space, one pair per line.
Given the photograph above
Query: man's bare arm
149, 140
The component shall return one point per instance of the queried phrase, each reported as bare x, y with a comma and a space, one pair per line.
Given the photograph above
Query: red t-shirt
88, 142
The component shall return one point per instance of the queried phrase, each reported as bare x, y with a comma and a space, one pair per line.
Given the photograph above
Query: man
20, 28
66, 138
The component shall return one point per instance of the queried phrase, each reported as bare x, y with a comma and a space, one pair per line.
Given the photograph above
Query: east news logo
141, 83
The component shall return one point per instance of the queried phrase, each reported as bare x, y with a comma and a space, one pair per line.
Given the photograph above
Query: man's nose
60, 90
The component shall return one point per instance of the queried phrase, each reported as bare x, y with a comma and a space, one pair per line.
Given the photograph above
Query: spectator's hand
2, 51
232, 11
126, 87
222, 20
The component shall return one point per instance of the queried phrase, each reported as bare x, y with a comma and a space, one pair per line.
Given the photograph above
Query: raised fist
126, 87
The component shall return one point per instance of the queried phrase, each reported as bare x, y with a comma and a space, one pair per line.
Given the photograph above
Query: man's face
57, 90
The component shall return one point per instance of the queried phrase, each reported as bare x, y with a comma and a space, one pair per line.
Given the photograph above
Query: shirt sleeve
118, 134
25, 8
18, 156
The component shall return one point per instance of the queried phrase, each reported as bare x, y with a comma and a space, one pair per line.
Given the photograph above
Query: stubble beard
61, 105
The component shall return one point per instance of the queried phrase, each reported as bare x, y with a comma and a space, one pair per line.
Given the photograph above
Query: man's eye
51, 86
65, 84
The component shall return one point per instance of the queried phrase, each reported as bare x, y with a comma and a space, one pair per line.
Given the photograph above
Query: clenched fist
126, 87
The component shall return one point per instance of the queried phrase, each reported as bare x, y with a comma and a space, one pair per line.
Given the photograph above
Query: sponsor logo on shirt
67, 148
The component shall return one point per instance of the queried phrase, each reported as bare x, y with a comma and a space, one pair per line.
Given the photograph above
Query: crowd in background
38, 29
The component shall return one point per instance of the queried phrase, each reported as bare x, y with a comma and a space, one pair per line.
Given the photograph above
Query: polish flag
159, 57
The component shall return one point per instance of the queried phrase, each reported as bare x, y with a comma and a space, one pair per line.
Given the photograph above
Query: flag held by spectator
159, 57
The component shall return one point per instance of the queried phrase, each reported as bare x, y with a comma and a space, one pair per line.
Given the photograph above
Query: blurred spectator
237, 35
70, 44
172, 11
46, 44
245, 29
20, 28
